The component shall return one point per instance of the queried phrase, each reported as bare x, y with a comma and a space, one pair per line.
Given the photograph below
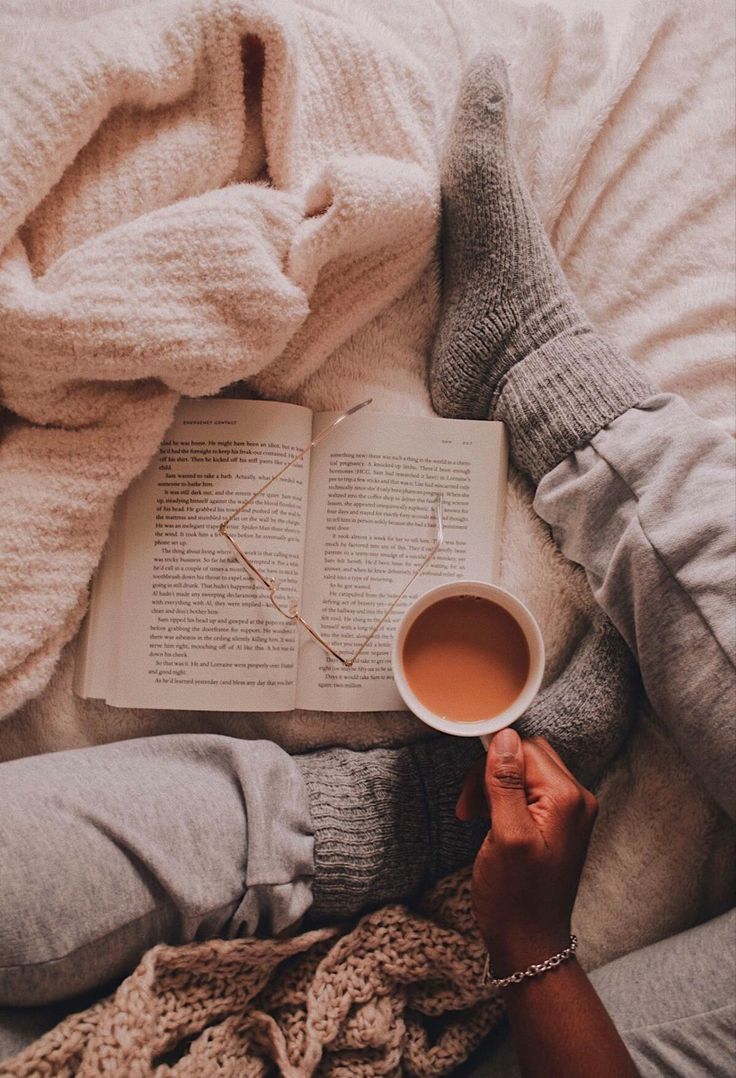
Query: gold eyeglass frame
272, 585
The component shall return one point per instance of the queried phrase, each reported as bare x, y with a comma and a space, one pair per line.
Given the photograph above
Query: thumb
505, 785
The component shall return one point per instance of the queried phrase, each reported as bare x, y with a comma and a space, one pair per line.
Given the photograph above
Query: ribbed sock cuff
442, 764
384, 822
561, 395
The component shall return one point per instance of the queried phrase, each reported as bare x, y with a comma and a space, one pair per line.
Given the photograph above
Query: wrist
512, 953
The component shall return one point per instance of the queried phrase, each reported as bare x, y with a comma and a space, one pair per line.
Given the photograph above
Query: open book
177, 621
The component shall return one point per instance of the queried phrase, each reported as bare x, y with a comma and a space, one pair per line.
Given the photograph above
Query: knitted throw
398, 993
192, 193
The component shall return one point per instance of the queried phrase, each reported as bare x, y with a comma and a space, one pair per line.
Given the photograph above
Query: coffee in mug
468, 658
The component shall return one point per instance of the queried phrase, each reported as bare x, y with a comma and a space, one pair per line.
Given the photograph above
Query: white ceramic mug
482, 728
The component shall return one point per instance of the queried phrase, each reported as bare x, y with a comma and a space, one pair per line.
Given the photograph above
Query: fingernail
506, 743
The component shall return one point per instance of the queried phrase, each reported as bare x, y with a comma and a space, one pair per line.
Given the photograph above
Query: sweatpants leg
648, 509
108, 850
674, 1004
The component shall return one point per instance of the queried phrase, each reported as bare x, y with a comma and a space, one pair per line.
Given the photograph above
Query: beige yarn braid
352, 1001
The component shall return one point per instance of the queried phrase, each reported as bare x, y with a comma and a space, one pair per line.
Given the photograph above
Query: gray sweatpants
106, 850
648, 508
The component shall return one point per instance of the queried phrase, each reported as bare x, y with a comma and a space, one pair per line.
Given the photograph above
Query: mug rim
522, 616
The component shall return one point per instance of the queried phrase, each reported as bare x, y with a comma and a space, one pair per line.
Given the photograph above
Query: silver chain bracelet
533, 970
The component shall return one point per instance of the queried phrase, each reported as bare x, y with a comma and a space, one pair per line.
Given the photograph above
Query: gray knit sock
512, 339
384, 822
587, 712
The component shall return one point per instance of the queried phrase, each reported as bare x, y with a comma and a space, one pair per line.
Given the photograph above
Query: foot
504, 292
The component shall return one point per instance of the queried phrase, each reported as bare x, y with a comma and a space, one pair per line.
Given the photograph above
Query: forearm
524, 884
562, 1030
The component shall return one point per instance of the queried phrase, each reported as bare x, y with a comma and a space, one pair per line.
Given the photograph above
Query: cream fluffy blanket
197, 192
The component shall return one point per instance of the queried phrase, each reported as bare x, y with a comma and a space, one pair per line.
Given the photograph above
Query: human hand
527, 871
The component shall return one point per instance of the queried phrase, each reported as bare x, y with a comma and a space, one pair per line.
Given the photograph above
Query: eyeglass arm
439, 540
295, 615
271, 584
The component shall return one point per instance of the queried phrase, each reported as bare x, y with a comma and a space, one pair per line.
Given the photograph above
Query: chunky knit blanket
196, 193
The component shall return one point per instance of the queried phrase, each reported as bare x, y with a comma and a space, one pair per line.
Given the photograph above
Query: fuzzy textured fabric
103, 165
513, 343
191, 194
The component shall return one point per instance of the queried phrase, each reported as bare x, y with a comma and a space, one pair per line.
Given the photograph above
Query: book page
196, 630
374, 482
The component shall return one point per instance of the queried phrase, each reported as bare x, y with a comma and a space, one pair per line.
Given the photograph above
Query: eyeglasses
271, 585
